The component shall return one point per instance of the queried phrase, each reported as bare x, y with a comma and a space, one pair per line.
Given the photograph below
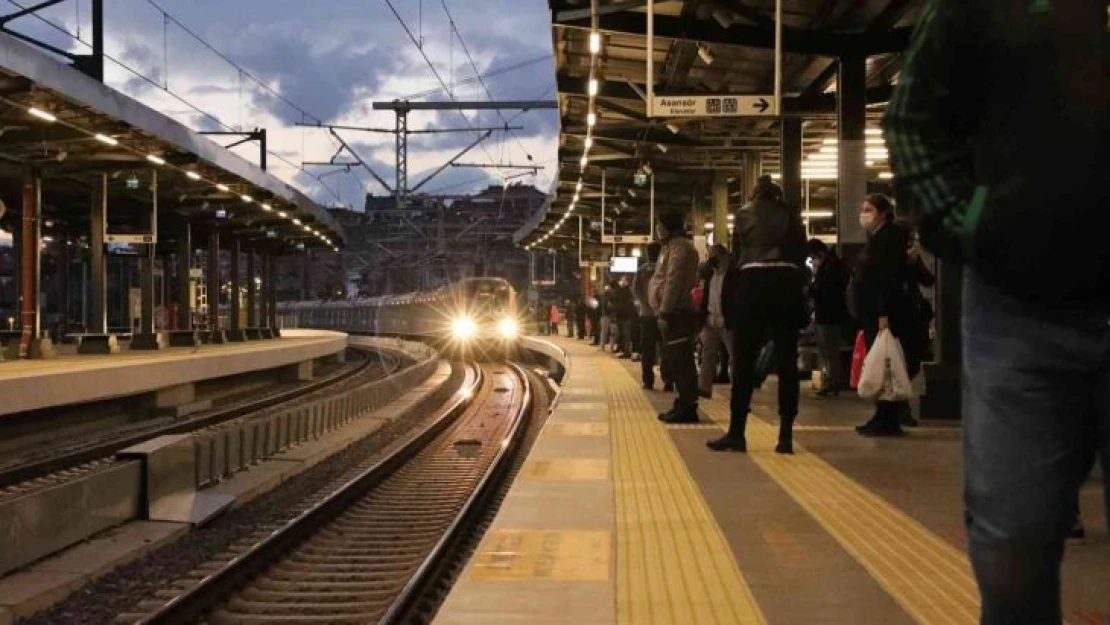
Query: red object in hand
859, 354
697, 294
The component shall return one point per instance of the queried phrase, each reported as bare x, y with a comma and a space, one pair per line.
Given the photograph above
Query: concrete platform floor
620, 519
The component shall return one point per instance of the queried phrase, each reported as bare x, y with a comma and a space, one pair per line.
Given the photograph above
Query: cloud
331, 59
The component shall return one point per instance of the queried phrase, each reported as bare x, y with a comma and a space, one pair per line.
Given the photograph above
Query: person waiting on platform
581, 311
830, 314
1015, 189
625, 313
765, 300
879, 298
553, 318
649, 328
669, 295
714, 336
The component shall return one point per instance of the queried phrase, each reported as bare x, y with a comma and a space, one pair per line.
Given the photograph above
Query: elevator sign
714, 106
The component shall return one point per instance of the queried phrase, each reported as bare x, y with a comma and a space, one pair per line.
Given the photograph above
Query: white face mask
866, 220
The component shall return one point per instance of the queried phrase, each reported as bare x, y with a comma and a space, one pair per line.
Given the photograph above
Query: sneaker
725, 443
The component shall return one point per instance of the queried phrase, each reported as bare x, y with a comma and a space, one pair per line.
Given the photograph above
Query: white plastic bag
884, 374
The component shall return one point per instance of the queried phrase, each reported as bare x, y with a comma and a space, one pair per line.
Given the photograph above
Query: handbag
859, 354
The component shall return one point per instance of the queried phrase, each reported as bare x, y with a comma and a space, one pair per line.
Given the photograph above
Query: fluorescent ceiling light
595, 42
41, 114
193, 175
591, 119
223, 187
105, 139
154, 158
673, 128
592, 87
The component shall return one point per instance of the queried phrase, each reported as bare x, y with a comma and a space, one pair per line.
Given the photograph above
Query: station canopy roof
701, 47
76, 130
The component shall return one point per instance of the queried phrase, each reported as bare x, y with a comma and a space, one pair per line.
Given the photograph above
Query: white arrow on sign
714, 106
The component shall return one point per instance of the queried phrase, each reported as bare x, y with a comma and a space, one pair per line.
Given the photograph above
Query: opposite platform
71, 379
617, 518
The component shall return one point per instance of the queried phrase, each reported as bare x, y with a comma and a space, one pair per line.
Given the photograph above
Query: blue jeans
1036, 414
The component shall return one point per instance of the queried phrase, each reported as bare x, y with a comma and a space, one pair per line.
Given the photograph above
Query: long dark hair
883, 206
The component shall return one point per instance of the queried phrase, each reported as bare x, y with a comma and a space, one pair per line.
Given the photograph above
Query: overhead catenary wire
432, 66
138, 74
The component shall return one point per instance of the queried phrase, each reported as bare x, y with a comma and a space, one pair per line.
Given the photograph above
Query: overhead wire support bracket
452, 161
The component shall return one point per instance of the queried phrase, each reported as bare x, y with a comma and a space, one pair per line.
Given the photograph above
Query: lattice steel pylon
402, 136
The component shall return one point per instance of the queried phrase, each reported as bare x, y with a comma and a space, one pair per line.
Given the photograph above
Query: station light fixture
154, 158
266, 207
577, 189
592, 87
886, 175
246, 198
282, 214
584, 161
591, 119
223, 187
105, 139
589, 142
41, 114
705, 54
673, 128
192, 175
296, 221
595, 42
662, 148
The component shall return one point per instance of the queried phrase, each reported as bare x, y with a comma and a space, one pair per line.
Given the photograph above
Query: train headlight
464, 328
507, 328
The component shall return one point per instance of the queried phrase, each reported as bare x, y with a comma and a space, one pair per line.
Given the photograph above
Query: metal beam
795, 40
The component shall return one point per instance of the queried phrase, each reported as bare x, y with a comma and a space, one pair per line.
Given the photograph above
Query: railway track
368, 551
59, 463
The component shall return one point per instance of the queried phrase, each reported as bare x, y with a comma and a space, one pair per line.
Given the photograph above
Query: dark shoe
705, 394
870, 425
905, 417
625, 357
828, 392
635, 358
678, 418
883, 431
668, 387
784, 447
1077, 532
727, 444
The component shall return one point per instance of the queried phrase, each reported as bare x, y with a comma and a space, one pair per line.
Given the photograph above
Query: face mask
866, 220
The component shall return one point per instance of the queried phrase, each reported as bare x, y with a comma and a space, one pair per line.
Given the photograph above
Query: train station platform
72, 378
617, 518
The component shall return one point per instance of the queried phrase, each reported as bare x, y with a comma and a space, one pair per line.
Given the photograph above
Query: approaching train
475, 317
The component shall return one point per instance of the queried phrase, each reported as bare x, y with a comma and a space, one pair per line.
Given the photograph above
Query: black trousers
772, 302
581, 323
678, 356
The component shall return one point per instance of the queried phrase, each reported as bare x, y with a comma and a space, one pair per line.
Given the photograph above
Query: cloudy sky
331, 60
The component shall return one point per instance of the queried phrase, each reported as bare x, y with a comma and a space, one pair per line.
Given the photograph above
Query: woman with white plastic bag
885, 376
878, 299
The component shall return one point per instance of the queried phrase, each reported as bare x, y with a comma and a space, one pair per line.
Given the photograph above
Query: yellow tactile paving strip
674, 564
928, 577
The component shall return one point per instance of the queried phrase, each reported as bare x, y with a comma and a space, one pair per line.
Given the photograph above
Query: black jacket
827, 290
880, 276
769, 231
